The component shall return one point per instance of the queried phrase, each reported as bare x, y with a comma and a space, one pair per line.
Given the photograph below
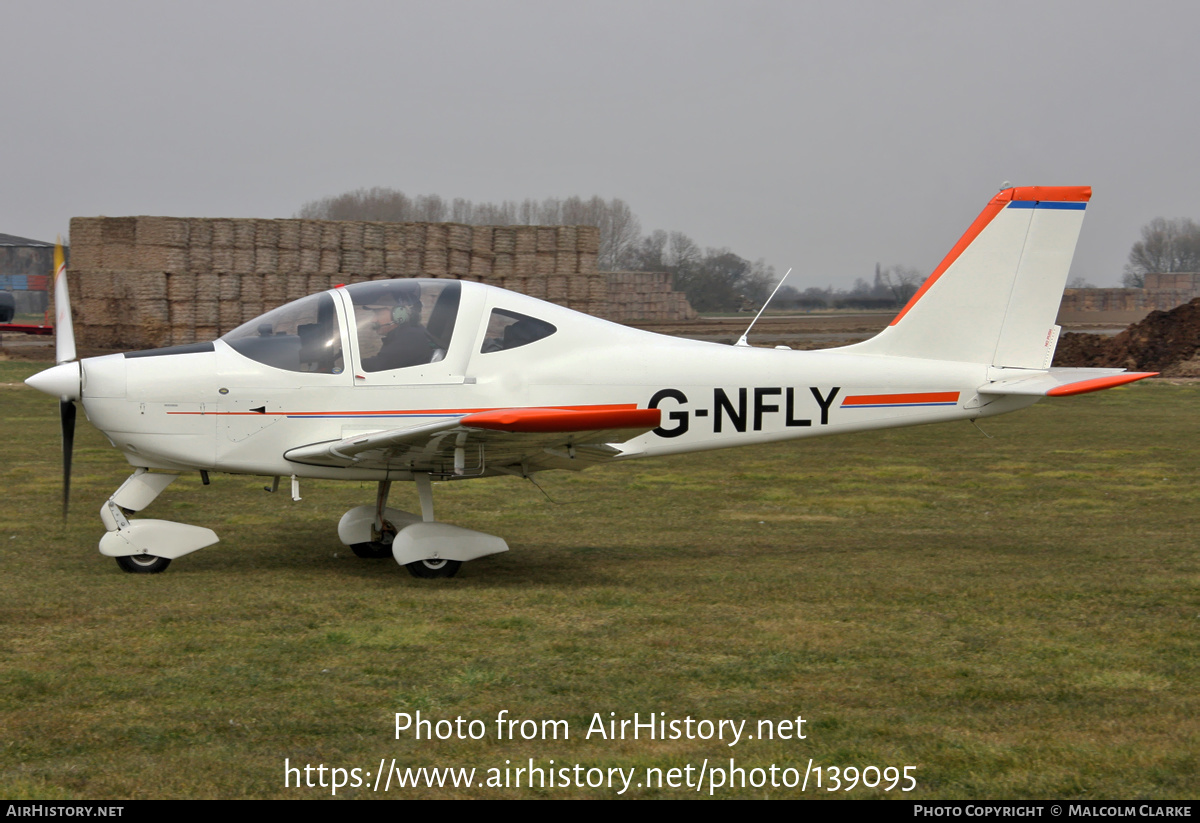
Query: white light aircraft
428, 380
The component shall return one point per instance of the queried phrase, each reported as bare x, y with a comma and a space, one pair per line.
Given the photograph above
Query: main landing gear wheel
143, 563
372, 550
434, 568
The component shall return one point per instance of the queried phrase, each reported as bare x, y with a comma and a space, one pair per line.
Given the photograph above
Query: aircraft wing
1063, 382
530, 439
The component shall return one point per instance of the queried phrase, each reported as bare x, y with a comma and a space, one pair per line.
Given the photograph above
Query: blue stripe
1047, 204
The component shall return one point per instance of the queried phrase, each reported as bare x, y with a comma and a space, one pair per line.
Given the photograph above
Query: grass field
1014, 617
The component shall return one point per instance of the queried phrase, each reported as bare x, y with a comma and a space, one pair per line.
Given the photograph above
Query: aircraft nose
61, 381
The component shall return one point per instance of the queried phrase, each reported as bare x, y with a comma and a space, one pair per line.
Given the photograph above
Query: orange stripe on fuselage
895, 399
1070, 194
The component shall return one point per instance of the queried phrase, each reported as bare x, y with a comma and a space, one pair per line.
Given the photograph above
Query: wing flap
537, 438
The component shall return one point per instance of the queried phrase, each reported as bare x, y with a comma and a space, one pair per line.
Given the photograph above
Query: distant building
26, 269
1163, 292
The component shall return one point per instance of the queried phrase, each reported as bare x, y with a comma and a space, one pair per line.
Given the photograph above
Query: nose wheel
143, 563
433, 568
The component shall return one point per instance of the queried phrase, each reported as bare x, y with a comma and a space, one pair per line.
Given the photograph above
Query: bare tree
1166, 246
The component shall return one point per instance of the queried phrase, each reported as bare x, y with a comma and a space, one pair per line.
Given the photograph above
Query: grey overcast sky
827, 136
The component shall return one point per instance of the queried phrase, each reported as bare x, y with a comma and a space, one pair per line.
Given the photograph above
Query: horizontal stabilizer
1063, 382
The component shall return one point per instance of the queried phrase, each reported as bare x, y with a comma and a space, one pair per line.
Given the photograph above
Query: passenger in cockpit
404, 341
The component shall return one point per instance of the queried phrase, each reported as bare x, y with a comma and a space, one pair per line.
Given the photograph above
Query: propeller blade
64, 330
66, 410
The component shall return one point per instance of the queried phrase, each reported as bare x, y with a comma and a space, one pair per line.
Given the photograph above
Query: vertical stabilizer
994, 297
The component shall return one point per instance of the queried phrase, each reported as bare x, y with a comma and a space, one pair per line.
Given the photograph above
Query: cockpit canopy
398, 323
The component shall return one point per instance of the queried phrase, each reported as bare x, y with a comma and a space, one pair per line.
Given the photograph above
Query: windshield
402, 323
303, 336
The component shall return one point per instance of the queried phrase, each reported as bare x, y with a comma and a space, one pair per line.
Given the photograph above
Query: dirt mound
1164, 341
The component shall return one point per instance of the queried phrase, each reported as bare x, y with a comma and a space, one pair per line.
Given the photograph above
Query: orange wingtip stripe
881, 399
1098, 383
562, 420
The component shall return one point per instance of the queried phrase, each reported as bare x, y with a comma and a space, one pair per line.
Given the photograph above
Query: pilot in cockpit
403, 340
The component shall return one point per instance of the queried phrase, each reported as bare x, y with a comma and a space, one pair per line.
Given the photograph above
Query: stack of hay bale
143, 282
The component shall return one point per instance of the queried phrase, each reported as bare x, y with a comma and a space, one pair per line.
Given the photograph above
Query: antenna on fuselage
742, 340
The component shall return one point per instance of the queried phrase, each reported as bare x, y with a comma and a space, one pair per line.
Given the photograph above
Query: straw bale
208, 286
352, 235
331, 235
207, 313
547, 238
182, 314
458, 237
513, 283
373, 261
525, 241
229, 286
436, 237
296, 284
315, 282
481, 267
181, 287
588, 262
95, 284
331, 261
289, 260
100, 337
310, 234
243, 233
229, 312
414, 236
525, 265
200, 258
289, 234
545, 263
577, 288
222, 234
97, 311
394, 262
566, 262
504, 239
566, 238
274, 289
119, 257
244, 259
154, 320
161, 231
310, 259
352, 261
556, 287
222, 258
149, 286
395, 236
250, 310
86, 238
436, 262
118, 230
207, 331
504, 265
597, 287
250, 287
481, 239
266, 234
373, 235
200, 232
160, 258
587, 239
459, 263
414, 263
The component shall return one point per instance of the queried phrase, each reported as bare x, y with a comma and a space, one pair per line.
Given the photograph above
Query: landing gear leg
382, 531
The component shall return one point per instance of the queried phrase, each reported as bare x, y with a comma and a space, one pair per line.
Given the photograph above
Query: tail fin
994, 298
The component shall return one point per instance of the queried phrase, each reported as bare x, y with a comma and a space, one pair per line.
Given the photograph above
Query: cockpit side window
403, 323
303, 336
509, 330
